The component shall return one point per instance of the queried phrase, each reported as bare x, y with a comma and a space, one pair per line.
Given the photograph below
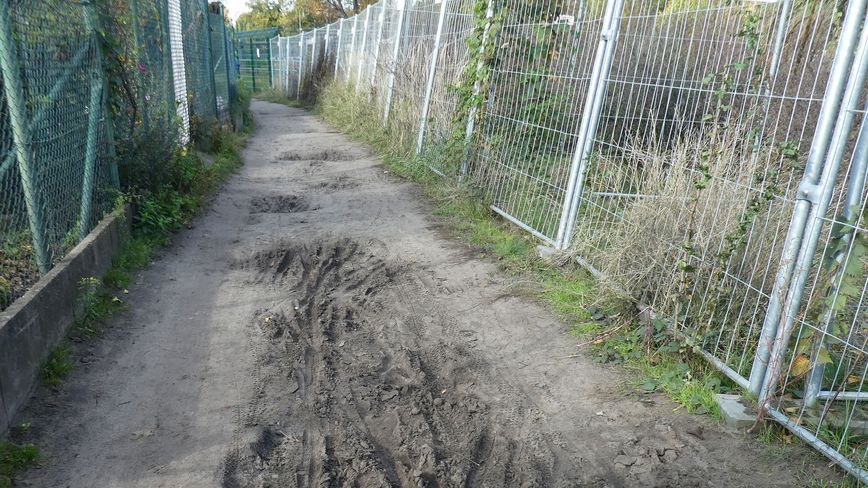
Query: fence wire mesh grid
90, 94
708, 158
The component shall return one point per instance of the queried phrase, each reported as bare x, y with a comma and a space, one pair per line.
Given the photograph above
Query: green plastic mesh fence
89, 108
220, 59
57, 180
142, 100
197, 54
232, 54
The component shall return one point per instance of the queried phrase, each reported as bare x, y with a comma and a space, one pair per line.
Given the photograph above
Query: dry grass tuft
644, 205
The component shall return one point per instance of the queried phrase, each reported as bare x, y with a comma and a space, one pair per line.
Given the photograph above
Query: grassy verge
600, 319
158, 215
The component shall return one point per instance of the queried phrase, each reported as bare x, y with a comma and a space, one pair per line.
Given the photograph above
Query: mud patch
340, 183
325, 155
369, 392
314, 167
278, 204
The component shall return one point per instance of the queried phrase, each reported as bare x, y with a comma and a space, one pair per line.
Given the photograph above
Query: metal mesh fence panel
708, 158
254, 56
525, 149
451, 60
681, 139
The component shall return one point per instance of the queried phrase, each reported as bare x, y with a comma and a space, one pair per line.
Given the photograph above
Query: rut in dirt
366, 404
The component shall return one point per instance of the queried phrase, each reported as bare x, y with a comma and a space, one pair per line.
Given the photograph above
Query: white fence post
179, 70
364, 46
352, 46
286, 65
813, 196
432, 72
403, 7
300, 65
325, 50
590, 119
338, 50
313, 52
381, 21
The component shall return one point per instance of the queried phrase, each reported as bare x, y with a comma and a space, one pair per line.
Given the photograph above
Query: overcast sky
235, 7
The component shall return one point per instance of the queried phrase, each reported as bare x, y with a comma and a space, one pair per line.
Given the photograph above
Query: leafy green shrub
163, 212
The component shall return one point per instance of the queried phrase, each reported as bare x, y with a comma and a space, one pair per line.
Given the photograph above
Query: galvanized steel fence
707, 157
85, 86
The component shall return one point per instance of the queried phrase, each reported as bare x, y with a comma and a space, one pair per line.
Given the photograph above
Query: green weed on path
13, 458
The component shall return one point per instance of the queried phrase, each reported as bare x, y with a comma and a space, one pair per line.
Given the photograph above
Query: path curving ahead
316, 328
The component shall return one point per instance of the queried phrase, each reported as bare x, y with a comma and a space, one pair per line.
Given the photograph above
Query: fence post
228, 56
300, 64
252, 61
209, 58
849, 213
270, 65
381, 21
590, 119
285, 48
325, 49
477, 86
18, 119
338, 51
313, 52
137, 38
403, 6
362, 57
432, 72
352, 45
97, 111
769, 351
814, 192
179, 72
171, 109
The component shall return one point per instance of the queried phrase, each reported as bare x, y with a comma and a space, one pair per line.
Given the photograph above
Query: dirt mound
363, 402
278, 204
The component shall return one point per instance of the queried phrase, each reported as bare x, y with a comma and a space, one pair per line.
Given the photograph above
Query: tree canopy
292, 16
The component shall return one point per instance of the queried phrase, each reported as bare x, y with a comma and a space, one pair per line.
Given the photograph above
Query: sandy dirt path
316, 328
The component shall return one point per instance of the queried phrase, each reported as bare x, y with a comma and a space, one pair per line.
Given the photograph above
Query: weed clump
13, 458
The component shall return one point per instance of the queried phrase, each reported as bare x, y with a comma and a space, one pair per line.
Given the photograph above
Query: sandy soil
316, 328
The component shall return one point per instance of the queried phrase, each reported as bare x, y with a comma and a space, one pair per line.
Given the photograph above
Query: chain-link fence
93, 96
707, 157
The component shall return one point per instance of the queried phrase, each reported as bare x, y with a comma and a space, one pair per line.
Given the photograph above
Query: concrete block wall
35, 323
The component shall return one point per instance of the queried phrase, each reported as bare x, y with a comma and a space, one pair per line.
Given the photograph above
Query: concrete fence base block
735, 412
37, 322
